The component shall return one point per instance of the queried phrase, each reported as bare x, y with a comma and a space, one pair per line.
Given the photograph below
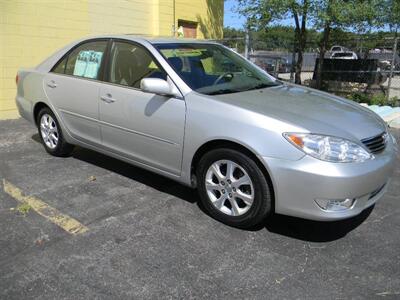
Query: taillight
16, 79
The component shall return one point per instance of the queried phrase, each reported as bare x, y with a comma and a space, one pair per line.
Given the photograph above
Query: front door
145, 127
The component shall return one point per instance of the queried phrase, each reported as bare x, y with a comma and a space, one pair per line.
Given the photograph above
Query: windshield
212, 69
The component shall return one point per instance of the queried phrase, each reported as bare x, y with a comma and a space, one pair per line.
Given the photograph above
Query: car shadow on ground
297, 228
314, 231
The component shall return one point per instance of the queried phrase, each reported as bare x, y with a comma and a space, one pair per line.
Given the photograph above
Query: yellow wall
207, 13
31, 30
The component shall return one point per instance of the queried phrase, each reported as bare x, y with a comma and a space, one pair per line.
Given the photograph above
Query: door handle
52, 84
108, 98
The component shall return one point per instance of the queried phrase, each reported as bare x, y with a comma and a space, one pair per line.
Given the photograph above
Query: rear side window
60, 67
130, 63
84, 61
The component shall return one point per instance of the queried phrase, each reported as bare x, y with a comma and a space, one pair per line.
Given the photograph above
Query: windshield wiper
261, 86
222, 91
256, 87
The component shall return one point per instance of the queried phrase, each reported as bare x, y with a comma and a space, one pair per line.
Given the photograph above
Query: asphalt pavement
147, 238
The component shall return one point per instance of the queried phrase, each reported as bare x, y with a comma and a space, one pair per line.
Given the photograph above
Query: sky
232, 18
235, 20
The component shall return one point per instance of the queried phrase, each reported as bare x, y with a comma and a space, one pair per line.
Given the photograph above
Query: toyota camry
203, 115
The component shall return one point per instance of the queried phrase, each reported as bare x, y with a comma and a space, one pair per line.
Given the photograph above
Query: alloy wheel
49, 131
229, 187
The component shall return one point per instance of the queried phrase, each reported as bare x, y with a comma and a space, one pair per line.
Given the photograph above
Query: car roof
154, 39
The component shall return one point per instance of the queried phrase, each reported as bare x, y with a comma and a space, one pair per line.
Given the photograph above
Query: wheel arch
221, 143
37, 108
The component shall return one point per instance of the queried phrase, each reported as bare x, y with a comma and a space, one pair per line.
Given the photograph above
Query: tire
51, 135
245, 213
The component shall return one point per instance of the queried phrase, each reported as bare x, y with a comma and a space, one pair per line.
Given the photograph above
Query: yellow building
30, 30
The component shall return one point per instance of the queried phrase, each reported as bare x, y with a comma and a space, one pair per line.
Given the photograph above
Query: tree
259, 13
358, 15
299, 11
326, 15
274, 37
390, 14
233, 38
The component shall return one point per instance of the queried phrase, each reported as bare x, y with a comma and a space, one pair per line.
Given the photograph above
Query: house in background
31, 30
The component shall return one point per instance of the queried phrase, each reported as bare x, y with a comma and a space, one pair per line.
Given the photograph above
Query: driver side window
130, 63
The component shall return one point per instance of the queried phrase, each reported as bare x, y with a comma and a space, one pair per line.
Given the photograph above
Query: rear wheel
233, 189
51, 135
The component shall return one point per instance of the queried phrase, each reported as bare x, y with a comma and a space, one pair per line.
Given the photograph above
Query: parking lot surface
147, 238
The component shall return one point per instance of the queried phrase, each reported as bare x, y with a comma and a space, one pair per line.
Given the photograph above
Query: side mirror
159, 86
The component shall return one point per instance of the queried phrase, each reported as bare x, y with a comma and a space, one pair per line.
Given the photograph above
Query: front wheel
51, 135
233, 189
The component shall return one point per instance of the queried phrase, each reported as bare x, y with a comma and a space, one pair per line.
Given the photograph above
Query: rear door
73, 88
147, 128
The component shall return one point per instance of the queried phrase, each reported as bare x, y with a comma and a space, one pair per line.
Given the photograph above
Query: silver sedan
201, 114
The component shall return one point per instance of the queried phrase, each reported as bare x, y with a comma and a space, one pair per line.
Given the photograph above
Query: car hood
312, 110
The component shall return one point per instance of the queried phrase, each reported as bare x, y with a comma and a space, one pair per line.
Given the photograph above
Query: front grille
375, 144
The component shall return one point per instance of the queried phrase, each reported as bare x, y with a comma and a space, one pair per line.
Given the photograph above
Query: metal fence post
277, 63
392, 68
292, 64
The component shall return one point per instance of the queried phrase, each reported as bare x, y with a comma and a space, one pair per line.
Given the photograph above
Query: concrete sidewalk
391, 115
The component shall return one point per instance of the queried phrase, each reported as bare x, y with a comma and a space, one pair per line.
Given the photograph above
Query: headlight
328, 148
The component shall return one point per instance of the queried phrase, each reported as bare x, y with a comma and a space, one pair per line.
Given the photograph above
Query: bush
359, 98
377, 99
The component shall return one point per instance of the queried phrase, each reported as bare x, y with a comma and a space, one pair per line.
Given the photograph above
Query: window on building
130, 63
189, 28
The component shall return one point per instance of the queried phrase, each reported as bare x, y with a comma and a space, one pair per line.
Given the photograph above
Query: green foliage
347, 19
358, 15
234, 38
376, 99
281, 38
359, 98
23, 209
390, 14
260, 13
379, 99
394, 101
277, 37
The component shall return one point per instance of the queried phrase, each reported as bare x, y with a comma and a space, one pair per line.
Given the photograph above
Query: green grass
23, 209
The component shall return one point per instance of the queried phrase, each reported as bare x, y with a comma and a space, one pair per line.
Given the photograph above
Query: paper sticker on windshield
88, 64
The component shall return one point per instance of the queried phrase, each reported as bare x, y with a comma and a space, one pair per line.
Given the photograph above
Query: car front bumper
298, 184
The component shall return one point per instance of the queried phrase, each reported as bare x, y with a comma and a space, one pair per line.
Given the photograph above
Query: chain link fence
364, 70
